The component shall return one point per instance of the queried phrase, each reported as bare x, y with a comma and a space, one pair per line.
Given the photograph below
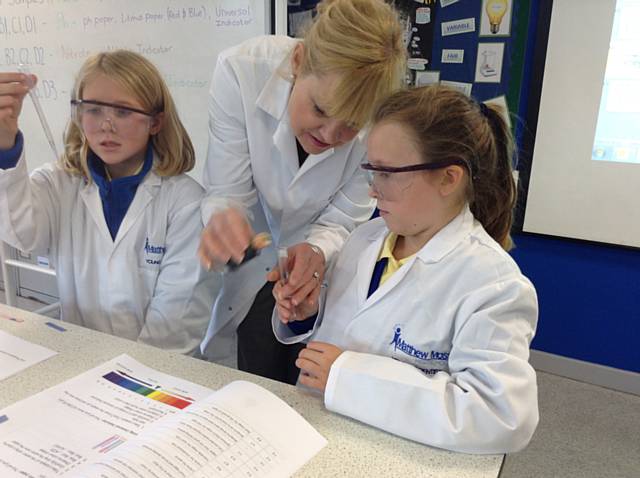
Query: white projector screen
585, 185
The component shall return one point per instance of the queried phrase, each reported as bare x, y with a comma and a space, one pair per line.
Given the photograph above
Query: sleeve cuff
332, 379
300, 327
325, 246
9, 157
286, 335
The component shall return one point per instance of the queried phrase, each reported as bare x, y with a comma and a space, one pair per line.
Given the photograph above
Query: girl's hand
227, 236
306, 263
285, 308
13, 88
315, 362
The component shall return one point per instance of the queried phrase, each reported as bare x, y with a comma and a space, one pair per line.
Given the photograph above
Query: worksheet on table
125, 419
17, 354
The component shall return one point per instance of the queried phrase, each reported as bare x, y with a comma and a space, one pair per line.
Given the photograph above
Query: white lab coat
253, 164
439, 353
147, 284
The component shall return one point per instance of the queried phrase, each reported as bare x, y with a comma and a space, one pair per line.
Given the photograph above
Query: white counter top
354, 449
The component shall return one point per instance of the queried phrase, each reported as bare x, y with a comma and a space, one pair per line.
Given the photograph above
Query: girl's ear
297, 58
156, 123
451, 179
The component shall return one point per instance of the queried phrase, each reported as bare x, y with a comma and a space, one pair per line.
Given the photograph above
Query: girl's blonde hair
137, 75
445, 124
361, 41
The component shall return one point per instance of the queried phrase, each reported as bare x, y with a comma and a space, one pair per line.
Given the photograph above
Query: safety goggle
390, 182
91, 116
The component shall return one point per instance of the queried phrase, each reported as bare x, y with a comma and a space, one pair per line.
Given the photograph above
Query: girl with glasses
117, 213
425, 326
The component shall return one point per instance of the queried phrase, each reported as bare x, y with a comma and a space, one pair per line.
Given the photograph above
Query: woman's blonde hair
361, 41
137, 75
445, 124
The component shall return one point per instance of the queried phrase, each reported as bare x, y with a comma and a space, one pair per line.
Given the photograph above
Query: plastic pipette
39, 111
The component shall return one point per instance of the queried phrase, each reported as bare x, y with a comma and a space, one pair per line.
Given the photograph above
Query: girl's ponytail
494, 189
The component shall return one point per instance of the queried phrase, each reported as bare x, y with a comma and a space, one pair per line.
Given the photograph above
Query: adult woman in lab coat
427, 321
284, 156
117, 213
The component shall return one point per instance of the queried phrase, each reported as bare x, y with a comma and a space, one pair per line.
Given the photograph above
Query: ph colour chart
148, 392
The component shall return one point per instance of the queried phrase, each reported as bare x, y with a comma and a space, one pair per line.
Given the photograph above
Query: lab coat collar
367, 261
433, 251
285, 142
90, 195
365, 267
448, 238
443, 242
274, 97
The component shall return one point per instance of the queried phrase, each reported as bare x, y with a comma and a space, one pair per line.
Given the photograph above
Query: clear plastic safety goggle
92, 116
389, 183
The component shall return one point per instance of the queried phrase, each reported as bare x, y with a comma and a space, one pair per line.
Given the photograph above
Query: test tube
283, 264
36, 104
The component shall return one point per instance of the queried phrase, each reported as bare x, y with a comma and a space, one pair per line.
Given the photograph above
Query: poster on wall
489, 62
464, 88
495, 18
424, 78
418, 20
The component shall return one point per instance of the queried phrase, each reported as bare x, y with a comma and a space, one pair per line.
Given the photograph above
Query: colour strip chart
140, 389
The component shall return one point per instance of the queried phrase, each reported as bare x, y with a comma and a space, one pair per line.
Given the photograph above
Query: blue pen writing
55, 326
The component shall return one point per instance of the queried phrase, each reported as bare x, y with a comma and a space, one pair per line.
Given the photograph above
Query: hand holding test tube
283, 269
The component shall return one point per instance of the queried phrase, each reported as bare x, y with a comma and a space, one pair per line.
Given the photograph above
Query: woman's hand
315, 363
288, 312
226, 237
297, 299
13, 88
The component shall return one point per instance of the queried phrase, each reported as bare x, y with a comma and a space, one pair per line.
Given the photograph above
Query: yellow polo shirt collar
387, 251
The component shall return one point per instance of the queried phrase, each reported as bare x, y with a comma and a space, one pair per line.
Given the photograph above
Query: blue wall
589, 296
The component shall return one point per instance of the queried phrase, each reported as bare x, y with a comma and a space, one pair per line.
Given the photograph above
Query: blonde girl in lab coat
426, 324
286, 142
117, 213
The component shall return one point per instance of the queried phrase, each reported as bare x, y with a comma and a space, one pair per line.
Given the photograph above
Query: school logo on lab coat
153, 254
429, 361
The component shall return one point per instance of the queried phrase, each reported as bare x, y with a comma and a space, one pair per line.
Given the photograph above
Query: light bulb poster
495, 18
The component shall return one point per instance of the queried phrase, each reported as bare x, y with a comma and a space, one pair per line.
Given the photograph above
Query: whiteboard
181, 37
